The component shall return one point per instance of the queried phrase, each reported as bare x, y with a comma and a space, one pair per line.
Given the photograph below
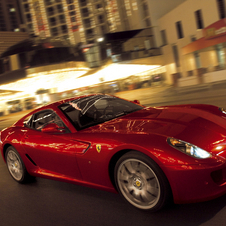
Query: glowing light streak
79, 23
44, 18
68, 21
39, 18
34, 19
62, 80
112, 14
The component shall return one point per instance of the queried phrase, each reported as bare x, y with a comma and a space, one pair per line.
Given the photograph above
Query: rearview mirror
52, 128
136, 102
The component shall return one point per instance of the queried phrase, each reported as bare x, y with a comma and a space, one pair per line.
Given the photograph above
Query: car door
52, 152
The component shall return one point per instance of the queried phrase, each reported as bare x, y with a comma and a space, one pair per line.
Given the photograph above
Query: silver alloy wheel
138, 183
15, 165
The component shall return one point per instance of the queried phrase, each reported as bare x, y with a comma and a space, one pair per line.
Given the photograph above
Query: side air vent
31, 159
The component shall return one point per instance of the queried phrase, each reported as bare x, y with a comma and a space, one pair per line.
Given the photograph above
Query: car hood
202, 125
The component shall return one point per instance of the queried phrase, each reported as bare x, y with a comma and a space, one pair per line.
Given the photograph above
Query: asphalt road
52, 203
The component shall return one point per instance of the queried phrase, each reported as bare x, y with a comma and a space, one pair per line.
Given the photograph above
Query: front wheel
141, 181
16, 166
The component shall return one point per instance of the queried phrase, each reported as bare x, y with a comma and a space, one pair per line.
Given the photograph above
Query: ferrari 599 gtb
148, 155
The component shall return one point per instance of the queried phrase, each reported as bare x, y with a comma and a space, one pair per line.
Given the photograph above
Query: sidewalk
166, 94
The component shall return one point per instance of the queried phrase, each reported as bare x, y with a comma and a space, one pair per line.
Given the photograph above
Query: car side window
43, 118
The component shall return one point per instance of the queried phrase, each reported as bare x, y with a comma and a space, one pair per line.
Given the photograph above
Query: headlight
188, 148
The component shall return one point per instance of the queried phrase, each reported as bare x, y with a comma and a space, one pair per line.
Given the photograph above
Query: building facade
11, 31
88, 20
193, 37
10, 18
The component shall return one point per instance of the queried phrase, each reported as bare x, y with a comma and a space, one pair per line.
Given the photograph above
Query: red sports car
149, 155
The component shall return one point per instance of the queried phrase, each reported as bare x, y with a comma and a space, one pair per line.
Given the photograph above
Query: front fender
11, 137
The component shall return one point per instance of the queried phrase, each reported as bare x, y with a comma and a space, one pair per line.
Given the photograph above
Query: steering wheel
109, 112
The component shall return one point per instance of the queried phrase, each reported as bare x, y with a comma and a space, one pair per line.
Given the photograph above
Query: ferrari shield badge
98, 147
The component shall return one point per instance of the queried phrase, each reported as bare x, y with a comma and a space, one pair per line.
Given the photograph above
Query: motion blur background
55, 49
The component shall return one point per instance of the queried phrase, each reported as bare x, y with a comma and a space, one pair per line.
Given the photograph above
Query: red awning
213, 35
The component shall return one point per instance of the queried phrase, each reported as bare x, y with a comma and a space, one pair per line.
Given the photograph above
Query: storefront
207, 55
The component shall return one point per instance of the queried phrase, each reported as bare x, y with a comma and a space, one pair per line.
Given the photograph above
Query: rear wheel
141, 181
16, 166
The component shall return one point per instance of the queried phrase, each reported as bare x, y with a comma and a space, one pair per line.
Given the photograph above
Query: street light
101, 39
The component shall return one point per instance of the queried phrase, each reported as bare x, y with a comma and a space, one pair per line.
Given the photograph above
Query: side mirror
136, 102
52, 128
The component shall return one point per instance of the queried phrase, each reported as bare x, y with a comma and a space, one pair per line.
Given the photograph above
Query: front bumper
196, 183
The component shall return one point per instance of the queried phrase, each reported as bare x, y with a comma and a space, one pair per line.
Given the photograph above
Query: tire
16, 166
141, 182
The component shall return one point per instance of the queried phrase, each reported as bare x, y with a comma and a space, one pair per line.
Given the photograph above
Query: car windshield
92, 110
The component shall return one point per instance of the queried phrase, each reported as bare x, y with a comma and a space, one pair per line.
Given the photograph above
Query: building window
145, 9
62, 18
48, 2
26, 7
176, 55
164, 39
73, 19
72, 13
52, 21
70, 1
2, 27
221, 8
30, 27
54, 31
64, 28
99, 8
85, 12
50, 11
148, 22
28, 16
100, 19
87, 23
60, 8
71, 7
220, 55
89, 33
197, 59
199, 20
83, 2
179, 30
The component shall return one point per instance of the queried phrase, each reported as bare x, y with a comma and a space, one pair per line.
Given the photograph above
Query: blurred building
10, 17
193, 37
88, 20
11, 31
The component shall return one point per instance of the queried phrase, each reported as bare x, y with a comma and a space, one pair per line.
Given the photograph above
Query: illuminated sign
40, 22
112, 14
215, 30
38, 15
